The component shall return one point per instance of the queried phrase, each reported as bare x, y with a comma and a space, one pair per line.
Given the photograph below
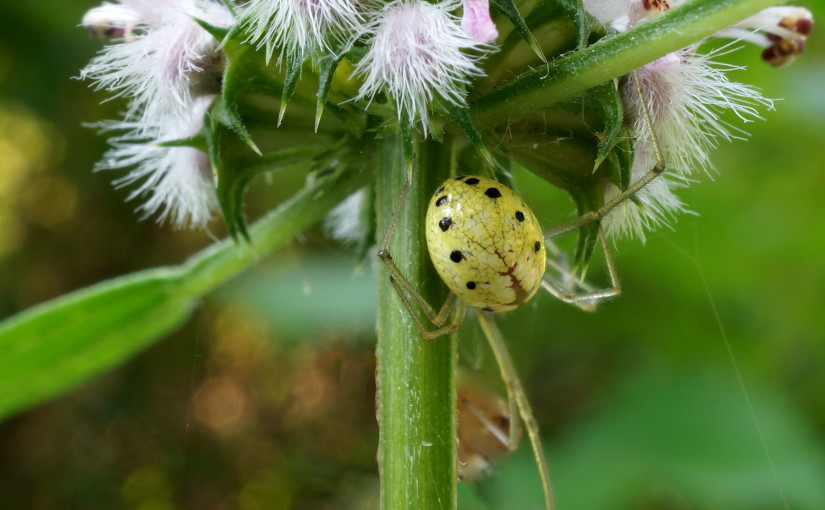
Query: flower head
300, 27
165, 59
168, 65
683, 96
418, 55
176, 180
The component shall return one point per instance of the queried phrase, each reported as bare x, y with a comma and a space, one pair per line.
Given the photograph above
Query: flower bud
111, 22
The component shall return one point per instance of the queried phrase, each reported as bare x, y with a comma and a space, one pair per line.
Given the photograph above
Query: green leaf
553, 31
294, 63
575, 11
461, 116
217, 32
236, 81
231, 177
509, 9
62, 343
607, 99
562, 142
235, 166
327, 65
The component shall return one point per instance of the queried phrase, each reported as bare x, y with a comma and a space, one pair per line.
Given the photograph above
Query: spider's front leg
409, 294
659, 167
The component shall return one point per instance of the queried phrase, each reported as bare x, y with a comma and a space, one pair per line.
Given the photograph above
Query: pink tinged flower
669, 61
165, 60
477, 22
781, 31
685, 94
418, 55
175, 182
111, 22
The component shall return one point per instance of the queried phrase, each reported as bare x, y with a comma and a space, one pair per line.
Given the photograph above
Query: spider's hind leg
518, 400
566, 285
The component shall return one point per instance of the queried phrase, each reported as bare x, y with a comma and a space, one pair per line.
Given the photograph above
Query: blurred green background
258, 403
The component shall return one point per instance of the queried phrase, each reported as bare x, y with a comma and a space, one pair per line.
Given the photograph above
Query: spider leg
516, 394
569, 287
658, 168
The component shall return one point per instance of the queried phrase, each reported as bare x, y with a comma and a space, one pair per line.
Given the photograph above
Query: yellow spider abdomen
485, 243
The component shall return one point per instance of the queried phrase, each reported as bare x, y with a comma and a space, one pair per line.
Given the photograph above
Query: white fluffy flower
418, 55
165, 60
299, 27
176, 181
167, 65
345, 221
686, 95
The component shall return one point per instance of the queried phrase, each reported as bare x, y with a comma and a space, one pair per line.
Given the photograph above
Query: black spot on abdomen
493, 193
445, 223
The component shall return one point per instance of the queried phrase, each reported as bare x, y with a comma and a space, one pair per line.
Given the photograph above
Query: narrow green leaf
562, 142
230, 177
327, 65
575, 10
227, 114
216, 32
606, 98
461, 116
235, 82
294, 64
508, 8
62, 343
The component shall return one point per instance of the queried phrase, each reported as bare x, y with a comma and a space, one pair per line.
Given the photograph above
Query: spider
490, 251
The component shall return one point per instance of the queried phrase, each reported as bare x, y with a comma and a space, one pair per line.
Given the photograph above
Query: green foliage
767, 281
706, 444
54, 347
62, 343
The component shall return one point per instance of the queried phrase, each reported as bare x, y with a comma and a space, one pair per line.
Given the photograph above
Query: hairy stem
416, 402
610, 58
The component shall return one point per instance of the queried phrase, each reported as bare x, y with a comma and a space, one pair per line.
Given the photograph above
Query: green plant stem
611, 58
416, 402
221, 261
